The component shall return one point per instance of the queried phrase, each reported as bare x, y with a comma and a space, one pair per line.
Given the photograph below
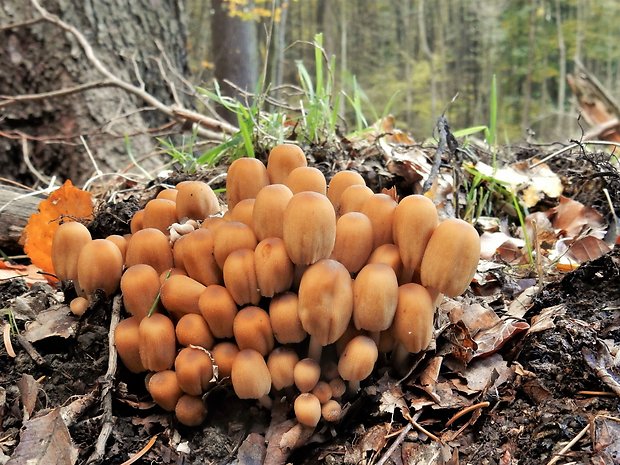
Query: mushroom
306, 178
245, 178
375, 295
120, 242
309, 228
240, 277
331, 411
281, 363
164, 389
283, 159
357, 361
250, 377
325, 303
100, 266
140, 287
197, 250
195, 200
194, 370
159, 214
157, 342
268, 212
353, 198
338, 387
339, 183
244, 212
180, 295
322, 391
78, 306
284, 318
415, 219
127, 342
151, 247
218, 308
450, 258
306, 374
224, 354
190, 410
168, 194
307, 409
67, 244
379, 208
136, 223
252, 330
389, 254
354, 239
192, 329
231, 236
274, 269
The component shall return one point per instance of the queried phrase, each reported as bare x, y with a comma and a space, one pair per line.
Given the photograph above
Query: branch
12, 99
209, 127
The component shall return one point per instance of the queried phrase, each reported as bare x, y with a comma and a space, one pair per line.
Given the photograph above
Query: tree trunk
42, 57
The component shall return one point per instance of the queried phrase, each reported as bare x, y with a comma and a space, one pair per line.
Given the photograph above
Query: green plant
182, 154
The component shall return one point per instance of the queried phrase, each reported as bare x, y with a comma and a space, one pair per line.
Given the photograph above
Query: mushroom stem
266, 401
315, 349
375, 336
400, 356
354, 386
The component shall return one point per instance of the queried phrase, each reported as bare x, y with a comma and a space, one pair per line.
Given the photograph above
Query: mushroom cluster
257, 292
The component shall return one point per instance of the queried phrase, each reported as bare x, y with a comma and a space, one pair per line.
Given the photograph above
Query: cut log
15, 209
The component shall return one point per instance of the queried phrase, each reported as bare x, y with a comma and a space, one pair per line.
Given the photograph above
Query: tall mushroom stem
400, 355
315, 349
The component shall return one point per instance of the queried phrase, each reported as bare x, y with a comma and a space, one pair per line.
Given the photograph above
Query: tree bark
40, 58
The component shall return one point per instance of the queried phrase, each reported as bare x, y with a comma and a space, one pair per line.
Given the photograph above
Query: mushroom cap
306, 178
180, 295
158, 342
224, 354
140, 288
358, 359
159, 214
274, 269
379, 208
195, 200
245, 178
67, 244
231, 236
268, 212
100, 266
451, 257
339, 183
338, 387
219, 309
190, 410
375, 295
354, 240
284, 318
137, 221
306, 373
127, 342
151, 247
78, 306
240, 277
164, 389
252, 330
120, 242
250, 375
192, 329
244, 212
413, 321
309, 228
322, 391
388, 254
197, 250
331, 411
325, 300
283, 159
415, 219
194, 370
353, 198
168, 194
307, 409
281, 363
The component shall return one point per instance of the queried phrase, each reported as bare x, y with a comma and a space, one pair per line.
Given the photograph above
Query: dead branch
16, 206
13, 99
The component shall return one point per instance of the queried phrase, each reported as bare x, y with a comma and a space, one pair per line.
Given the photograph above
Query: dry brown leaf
570, 218
29, 273
285, 437
480, 373
58, 321
44, 440
587, 248
252, 450
492, 339
68, 203
491, 242
28, 392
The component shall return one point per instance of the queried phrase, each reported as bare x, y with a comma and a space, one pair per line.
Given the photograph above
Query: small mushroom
240, 277
307, 409
224, 354
354, 240
250, 377
306, 374
151, 247
180, 295
136, 223
159, 214
274, 269
268, 212
388, 254
331, 411
120, 242
281, 363
245, 178
100, 266
353, 198
164, 389
357, 361
127, 342
306, 178
192, 329
218, 308
252, 330
379, 208
339, 183
197, 249
231, 236
375, 296
338, 387
157, 342
283, 159
195, 200
244, 212
168, 194
194, 370
284, 316
67, 243
190, 410
322, 391
78, 306
140, 287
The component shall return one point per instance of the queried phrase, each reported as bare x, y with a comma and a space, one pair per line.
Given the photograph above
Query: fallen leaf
56, 322
480, 373
570, 218
44, 440
28, 392
284, 438
490, 242
606, 440
587, 248
68, 203
252, 450
29, 273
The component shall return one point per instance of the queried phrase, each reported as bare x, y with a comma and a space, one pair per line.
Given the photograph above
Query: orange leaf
68, 203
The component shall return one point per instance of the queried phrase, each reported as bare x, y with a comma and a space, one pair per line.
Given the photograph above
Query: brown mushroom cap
379, 208
322, 391
195, 200
252, 330
192, 329
180, 295
339, 183
281, 363
136, 223
194, 370
358, 360
354, 239
284, 317
168, 194
353, 198
224, 354
307, 409
338, 387
388, 254
100, 266
78, 306
250, 375
274, 269
120, 242
413, 321
219, 309
164, 389
375, 295
197, 250
331, 411
245, 178
306, 178
244, 212
283, 159
231, 236
451, 257
309, 228
159, 214
306, 374
127, 342
151, 247
240, 277
268, 212
190, 410
157, 342
140, 287
67, 244
415, 219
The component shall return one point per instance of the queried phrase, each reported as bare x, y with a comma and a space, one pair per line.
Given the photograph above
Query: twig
6, 336
26, 156
568, 446
141, 452
419, 427
465, 411
572, 146
397, 442
98, 172
107, 385
30, 350
12, 99
442, 126
29, 22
